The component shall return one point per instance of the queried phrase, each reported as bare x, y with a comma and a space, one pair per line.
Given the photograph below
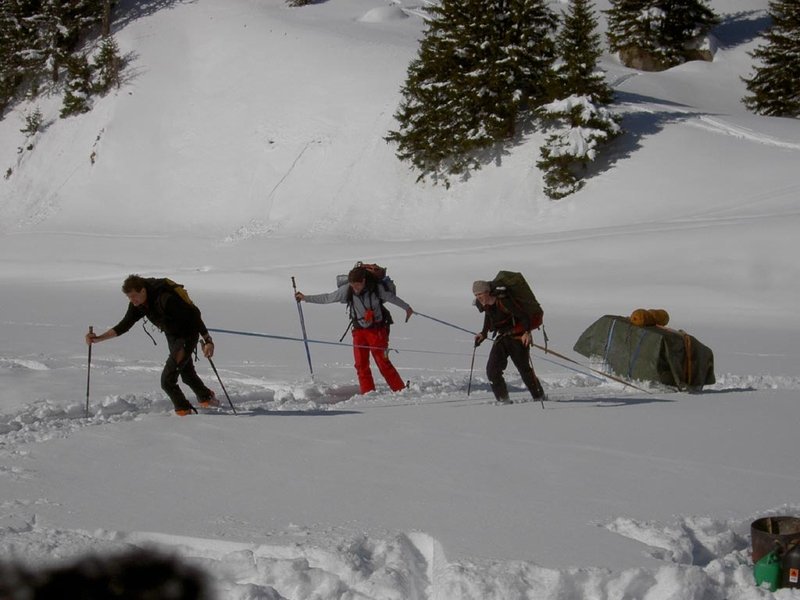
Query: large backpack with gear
376, 275
510, 286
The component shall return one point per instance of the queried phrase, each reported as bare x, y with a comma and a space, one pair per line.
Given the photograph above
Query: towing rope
328, 343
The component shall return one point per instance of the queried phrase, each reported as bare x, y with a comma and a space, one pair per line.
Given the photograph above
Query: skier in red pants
365, 298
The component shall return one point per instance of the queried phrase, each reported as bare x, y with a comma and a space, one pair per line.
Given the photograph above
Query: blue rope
445, 323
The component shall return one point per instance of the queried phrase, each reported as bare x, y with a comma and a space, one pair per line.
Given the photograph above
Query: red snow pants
374, 341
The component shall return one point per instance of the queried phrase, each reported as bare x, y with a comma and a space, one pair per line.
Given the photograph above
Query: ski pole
88, 372
222, 385
303, 329
471, 367
530, 359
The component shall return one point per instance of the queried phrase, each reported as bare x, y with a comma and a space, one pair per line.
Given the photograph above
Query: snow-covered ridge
706, 556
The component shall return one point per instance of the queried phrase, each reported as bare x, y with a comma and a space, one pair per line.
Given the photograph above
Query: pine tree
580, 120
17, 36
83, 18
682, 22
578, 45
529, 44
33, 122
657, 34
775, 87
480, 65
107, 66
10, 73
629, 25
567, 152
36, 39
68, 23
51, 42
78, 87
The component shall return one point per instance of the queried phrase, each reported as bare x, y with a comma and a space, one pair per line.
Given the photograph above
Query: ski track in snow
718, 126
43, 420
21, 363
712, 124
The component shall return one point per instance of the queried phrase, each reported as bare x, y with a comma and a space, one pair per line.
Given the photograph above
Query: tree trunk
106, 18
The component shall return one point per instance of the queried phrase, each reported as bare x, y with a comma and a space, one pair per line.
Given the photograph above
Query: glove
479, 339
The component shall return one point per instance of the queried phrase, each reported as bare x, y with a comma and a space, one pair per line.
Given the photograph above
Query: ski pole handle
88, 371
294, 290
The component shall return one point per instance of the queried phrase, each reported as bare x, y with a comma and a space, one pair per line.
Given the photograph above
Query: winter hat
479, 287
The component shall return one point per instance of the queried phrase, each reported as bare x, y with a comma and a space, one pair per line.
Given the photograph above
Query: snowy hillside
245, 148
242, 119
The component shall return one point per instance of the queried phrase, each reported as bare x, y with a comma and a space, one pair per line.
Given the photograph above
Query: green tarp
656, 354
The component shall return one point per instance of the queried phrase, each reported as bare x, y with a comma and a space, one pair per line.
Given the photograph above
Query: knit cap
479, 287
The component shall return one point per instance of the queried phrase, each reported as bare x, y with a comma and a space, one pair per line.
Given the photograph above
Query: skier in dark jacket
180, 320
370, 325
512, 327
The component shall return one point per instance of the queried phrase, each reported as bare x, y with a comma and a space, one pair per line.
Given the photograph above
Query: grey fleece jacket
367, 300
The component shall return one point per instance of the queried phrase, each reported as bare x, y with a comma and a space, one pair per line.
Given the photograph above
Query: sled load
641, 347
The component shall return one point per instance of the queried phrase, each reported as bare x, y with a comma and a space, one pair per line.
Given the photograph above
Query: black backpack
376, 275
161, 283
511, 287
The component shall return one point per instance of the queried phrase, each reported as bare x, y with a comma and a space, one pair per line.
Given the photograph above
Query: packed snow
246, 148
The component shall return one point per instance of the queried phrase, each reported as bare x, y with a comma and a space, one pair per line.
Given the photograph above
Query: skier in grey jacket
371, 321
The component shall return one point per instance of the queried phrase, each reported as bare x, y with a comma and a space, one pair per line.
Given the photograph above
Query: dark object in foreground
136, 575
769, 533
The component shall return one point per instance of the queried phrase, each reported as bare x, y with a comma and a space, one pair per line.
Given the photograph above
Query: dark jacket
167, 311
505, 317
